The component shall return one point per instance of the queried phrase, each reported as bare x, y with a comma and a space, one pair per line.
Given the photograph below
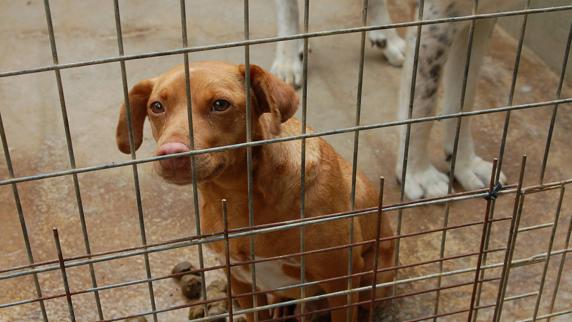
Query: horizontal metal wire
282, 139
283, 38
243, 232
531, 260
520, 262
63, 263
521, 296
486, 306
217, 267
511, 298
452, 197
73, 263
546, 316
534, 259
538, 258
267, 228
292, 302
535, 227
393, 297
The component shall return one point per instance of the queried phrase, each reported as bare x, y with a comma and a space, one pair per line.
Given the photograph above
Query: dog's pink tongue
172, 148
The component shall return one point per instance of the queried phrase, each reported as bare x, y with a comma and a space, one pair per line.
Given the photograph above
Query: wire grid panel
483, 270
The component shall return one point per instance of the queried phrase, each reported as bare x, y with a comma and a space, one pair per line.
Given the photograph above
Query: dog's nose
174, 163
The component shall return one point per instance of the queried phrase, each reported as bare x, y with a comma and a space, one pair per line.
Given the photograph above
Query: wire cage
497, 253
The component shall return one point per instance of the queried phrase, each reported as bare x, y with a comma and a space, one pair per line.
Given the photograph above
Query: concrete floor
85, 30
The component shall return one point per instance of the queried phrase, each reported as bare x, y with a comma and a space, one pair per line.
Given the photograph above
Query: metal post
511, 242
305, 59
63, 272
71, 155
376, 249
192, 147
227, 262
548, 253
135, 171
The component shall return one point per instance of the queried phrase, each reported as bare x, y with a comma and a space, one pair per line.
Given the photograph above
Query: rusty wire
520, 191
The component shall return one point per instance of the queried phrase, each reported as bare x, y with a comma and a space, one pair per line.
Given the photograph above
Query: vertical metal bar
64, 275
192, 147
249, 151
511, 242
486, 223
227, 261
21, 218
420, 9
548, 253
355, 153
507, 119
377, 245
133, 157
485, 257
454, 157
305, 58
555, 108
512, 89
71, 155
504, 135
358, 105
560, 268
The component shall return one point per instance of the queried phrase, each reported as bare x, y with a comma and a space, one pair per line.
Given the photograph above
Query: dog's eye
220, 105
157, 107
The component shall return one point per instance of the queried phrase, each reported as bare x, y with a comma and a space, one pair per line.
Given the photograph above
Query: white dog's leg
422, 178
470, 170
288, 61
392, 46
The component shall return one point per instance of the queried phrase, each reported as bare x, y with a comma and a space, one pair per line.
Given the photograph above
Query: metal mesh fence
491, 264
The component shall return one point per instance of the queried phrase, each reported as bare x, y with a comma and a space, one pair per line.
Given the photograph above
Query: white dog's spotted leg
288, 62
422, 178
392, 46
471, 171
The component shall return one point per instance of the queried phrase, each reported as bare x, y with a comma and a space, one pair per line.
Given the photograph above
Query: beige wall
546, 33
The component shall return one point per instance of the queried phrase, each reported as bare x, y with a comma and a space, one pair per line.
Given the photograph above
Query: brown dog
219, 118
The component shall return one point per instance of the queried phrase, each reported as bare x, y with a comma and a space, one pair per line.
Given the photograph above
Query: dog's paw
475, 173
393, 48
425, 183
289, 69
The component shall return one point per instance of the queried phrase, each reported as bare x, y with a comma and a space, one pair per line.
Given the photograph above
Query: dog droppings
190, 284
180, 268
215, 290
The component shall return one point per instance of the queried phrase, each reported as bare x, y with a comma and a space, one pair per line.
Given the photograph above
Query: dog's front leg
239, 291
288, 60
329, 266
422, 178
392, 46
337, 303
471, 171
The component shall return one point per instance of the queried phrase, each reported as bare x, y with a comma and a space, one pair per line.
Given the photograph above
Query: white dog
444, 46
440, 43
288, 60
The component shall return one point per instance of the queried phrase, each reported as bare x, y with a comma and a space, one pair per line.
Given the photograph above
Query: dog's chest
269, 274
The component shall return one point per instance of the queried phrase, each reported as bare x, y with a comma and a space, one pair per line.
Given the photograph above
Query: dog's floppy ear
138, 97
272, 96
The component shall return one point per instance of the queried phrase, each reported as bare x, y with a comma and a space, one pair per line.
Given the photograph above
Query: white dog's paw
426, 183
393, 48
289, 69
475, 173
